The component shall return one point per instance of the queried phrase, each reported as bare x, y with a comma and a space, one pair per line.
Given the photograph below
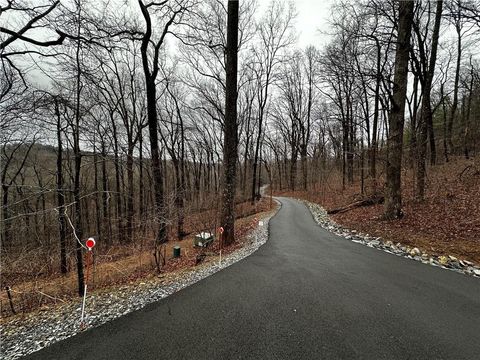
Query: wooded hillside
121, 122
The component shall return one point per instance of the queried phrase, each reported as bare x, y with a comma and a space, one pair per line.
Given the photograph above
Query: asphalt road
306, 294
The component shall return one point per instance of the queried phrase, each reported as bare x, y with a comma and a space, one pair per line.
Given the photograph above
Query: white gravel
23, 335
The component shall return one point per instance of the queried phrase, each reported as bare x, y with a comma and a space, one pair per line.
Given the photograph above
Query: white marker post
220, 230
90, 243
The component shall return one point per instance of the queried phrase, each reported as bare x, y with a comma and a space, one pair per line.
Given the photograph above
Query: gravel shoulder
24, 334
446, 262
305, 294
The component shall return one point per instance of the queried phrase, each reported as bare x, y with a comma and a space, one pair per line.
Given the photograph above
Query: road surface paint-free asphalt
305, 294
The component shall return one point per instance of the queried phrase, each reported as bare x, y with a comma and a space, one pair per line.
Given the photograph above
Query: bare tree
173, 137
427, 70
62, 226
9, 176
150, 51
463, 15
230, 129
393, 190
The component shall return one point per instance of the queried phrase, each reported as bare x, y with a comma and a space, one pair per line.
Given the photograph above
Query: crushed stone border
446, 262
32, 332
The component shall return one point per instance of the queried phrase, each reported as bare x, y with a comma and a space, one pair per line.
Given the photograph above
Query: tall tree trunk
118, 190
303, 159
413, 123
230, 128
156, 163
152, 119
279, 169
106, 221
98, 221
393, 191
130, 192
293, 172
260, 162
445, 120
351, 148
78, 215
183, 186
466, 130
141, 193
362, 164
376, 112
247, 148
255, 158
179, 165
426, 116
78, 164
453, 109
61, 195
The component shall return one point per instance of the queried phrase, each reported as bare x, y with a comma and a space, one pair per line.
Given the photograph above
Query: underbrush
33, 278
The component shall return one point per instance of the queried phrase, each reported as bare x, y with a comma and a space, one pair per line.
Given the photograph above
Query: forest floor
446, 223
123, 264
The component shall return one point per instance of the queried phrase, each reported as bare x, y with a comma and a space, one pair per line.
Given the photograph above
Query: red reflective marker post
90, 244
220, 230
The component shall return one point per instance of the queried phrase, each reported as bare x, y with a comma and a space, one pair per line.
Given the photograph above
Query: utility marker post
90, 243
220, 230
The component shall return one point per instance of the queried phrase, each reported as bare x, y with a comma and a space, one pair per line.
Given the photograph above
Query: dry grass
120, 264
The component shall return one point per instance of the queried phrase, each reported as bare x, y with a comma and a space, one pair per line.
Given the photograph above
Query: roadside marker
220, 230
90, 243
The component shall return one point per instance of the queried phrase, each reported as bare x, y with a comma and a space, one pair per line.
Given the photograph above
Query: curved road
306, 294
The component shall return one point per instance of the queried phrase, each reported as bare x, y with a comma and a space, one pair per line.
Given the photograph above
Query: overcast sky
313, 16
